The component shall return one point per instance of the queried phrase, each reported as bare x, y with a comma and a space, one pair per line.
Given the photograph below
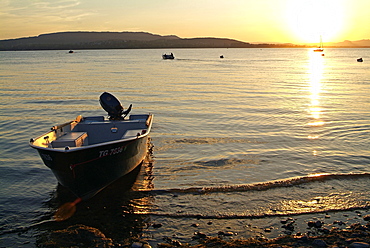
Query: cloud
31, 17
41, 11
56, 5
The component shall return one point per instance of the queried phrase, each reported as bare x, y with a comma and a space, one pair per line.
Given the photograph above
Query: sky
254, 21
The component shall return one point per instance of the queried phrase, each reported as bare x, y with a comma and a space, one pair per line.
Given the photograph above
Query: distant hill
137, 40
119, 40
83, 37
347, 43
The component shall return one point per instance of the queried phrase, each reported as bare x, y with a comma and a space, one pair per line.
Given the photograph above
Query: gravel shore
357, 235
317, 234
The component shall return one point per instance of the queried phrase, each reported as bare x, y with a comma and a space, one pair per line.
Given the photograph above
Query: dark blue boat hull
87, 171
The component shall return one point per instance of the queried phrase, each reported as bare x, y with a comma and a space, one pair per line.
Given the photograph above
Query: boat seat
71, 139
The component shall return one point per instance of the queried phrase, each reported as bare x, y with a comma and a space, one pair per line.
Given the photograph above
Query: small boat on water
71, 51
89, 153
320, 48
360, 60
168, 56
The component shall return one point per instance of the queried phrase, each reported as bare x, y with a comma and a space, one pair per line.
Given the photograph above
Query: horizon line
204, 37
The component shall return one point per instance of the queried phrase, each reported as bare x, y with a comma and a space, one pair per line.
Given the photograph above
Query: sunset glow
281, 21
309, 19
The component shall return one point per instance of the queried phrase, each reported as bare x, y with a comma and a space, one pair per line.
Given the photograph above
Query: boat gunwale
149, 122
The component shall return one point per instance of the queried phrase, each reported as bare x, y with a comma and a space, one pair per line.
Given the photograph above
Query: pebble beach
353, 230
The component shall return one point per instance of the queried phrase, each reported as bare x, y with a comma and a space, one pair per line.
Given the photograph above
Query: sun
310, 19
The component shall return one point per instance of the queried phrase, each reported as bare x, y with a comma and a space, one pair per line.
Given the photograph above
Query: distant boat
168, 56
70, 51
320, 48
360, 60
222, 56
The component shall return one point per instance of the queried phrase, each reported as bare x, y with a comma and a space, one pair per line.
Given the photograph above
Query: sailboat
320, 48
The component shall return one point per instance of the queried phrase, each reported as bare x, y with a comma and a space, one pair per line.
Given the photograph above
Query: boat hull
87, 171
168, 56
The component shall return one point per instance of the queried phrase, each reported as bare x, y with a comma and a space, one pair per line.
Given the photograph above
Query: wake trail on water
248, 216
288, 197
296, 181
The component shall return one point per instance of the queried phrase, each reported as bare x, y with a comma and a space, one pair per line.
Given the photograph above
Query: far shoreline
143, 40
169, 48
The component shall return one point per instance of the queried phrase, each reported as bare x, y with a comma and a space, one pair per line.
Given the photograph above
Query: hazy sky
295, 21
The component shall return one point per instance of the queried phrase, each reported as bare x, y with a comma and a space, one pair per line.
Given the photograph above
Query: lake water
260, 135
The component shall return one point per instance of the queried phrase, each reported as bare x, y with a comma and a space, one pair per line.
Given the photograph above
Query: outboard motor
114, 108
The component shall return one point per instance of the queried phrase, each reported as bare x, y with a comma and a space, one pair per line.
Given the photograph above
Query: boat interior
85, 131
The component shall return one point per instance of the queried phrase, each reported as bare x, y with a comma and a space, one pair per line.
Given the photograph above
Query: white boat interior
88, 131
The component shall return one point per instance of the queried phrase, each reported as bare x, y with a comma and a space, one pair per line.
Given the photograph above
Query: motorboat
168, 56
360, 60
89, 153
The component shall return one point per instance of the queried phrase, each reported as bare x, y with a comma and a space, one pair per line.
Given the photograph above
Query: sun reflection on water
334, 201
315, 72
316, 67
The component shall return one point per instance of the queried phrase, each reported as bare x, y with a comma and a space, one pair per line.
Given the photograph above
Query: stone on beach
359, 245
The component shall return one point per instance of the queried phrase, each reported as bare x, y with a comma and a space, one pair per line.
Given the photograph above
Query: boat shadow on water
110, 217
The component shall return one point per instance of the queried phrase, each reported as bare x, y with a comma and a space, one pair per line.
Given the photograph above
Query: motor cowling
112, 105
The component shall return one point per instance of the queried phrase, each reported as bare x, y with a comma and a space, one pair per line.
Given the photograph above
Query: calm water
237, 141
